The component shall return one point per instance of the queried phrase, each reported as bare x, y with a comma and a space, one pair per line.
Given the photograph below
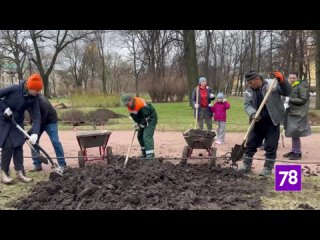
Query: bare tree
191, 60
100, 39
317, 60
57, 40
137, 56
13, 42
75, 55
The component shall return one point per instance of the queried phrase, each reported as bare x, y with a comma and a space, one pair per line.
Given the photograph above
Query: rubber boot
5, 178
22, 177
143, 153
150, 156
247, 164
266, 172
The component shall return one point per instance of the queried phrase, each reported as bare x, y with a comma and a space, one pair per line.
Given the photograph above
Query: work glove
138, 126
196, 105
278, 75
7, 113
224, 100
211, 95
33, 139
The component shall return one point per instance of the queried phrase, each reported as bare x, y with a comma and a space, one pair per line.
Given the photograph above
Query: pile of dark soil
305, 206
307, 171
199, 133
146, 185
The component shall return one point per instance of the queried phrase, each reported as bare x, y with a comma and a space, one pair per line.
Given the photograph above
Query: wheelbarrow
90, 139
199, 142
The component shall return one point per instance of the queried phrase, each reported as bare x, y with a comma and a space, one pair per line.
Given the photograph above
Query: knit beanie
252, 74
34, 82
125, 98
220, 96
202, 79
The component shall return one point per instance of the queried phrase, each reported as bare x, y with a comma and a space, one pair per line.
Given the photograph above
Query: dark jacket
274, 104
47, 111
296, 120
143, 113
17, 99
194, 100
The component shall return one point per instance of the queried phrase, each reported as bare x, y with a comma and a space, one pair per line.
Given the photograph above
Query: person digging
267, 124
14, 100
145, 117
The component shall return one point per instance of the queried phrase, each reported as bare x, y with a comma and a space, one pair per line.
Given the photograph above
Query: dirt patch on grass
146, 185
314, 119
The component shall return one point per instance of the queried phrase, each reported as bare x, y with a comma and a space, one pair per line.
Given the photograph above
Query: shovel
127, 157
282, 137
197, 109
55, 166
238, 150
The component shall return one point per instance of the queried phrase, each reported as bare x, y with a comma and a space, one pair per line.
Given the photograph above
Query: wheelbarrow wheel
213, 158
184, 157
81, 161
108, 154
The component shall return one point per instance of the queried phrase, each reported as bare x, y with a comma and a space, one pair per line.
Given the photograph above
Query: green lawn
12, 192
309, 194
172, 116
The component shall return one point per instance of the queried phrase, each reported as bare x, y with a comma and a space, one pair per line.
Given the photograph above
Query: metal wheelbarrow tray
90, 139
203, 140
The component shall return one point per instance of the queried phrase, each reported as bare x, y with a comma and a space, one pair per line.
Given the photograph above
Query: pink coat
220, 111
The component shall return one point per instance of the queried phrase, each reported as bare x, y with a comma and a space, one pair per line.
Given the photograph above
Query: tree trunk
271, 47
253, 59
317, 60
190, 60
259, 50
301, 54
207, 54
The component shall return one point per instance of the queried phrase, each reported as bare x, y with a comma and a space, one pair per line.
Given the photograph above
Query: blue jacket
17, 99
209, 91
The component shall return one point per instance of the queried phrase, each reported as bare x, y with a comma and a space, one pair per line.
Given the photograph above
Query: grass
12, 192
171, 116
309, 194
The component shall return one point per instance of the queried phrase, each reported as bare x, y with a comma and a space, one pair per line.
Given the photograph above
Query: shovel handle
197, 109
260, 108
127, 157
28, 136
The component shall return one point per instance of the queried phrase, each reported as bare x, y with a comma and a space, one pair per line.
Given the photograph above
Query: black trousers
264, 129
7, 152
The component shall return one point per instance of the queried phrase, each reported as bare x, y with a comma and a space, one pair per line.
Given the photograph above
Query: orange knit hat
34, 82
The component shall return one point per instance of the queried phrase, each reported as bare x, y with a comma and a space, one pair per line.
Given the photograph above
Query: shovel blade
237, 152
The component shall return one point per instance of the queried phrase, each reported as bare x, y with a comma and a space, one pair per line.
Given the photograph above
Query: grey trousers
203, 116
221, 130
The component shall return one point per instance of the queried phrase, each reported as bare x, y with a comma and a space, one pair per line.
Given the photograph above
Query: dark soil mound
313, 118
199, 133
102, 115
305, 206
146, 185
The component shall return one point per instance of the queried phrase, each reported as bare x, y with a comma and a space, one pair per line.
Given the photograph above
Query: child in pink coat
219, 110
